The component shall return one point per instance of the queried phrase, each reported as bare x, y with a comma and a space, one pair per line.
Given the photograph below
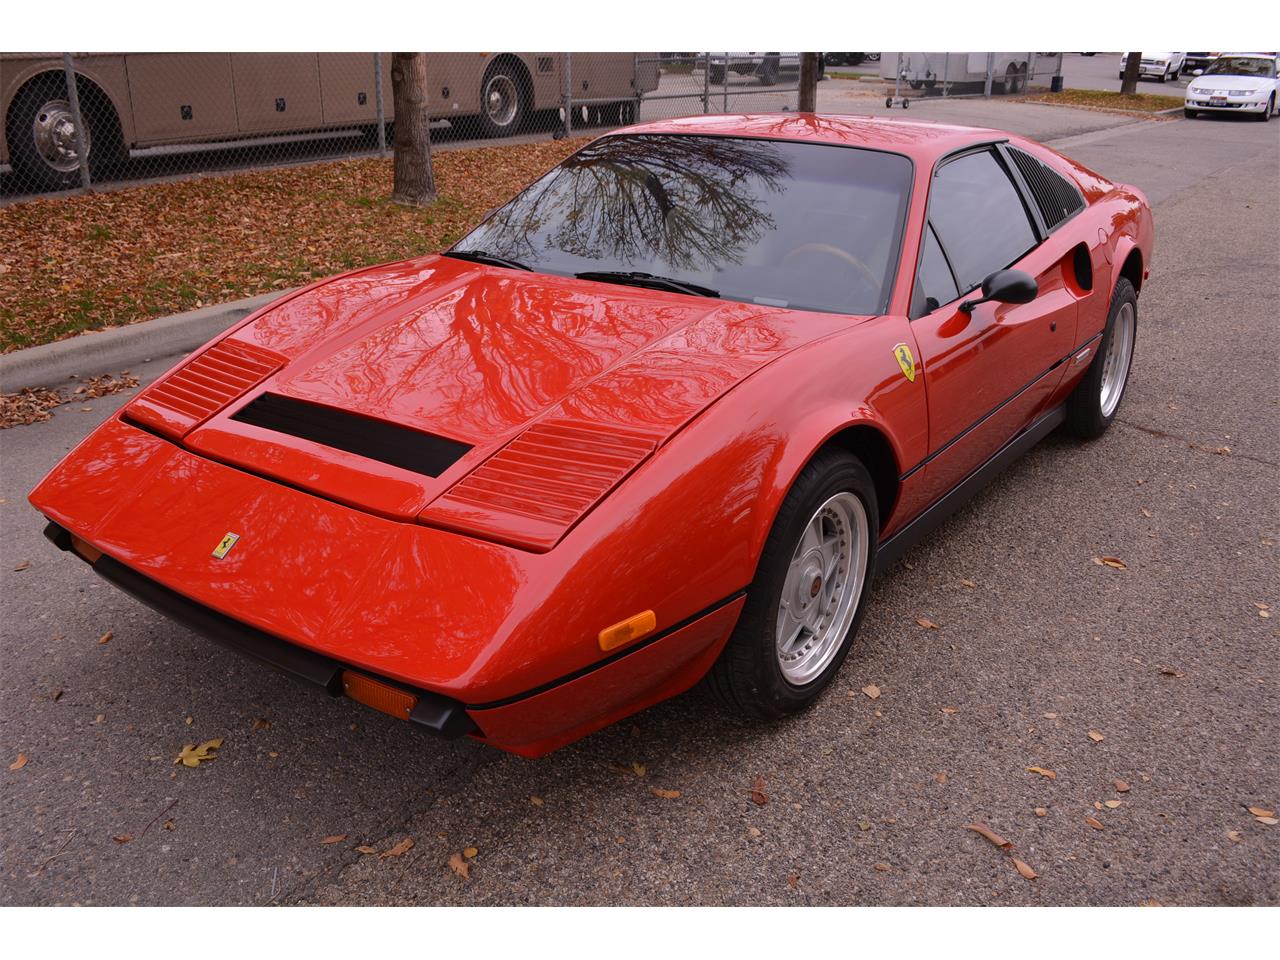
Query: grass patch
847, 75
1110, 100
73, 264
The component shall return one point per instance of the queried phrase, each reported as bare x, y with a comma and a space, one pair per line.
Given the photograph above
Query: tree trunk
1132, 67
415, 184
808, 83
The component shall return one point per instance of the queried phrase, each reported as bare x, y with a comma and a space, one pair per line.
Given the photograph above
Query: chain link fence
75, 121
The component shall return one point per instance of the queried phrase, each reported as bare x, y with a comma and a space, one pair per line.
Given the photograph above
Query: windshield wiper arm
654, 282
480, 256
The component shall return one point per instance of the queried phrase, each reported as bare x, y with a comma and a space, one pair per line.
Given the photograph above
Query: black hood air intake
378, 440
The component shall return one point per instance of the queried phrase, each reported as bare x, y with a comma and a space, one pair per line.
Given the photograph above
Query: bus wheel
42, 135
503, 100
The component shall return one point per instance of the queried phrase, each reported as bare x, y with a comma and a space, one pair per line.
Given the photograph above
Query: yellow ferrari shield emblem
224, 545
906, 361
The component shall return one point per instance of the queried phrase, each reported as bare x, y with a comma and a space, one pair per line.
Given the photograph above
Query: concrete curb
120, 348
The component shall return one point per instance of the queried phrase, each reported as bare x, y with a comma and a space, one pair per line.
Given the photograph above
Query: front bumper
432, 711
1254, 103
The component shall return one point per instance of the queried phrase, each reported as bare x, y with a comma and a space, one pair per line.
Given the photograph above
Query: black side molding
439, 714
915, 531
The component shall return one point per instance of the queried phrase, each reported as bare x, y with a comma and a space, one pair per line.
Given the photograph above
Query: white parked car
1238, 82
1164, 66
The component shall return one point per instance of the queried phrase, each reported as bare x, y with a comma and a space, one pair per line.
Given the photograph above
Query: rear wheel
504, 100
808, 597
1093, 404
41, 131
1189, 113
769, 71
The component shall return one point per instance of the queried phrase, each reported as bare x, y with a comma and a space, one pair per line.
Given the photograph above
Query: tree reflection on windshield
784, 223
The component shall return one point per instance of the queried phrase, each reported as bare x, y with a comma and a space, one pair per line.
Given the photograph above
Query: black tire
1085, 418
508, 82
103, 133
769, 71
717, 74
1265, 115
1189, 113
747, 679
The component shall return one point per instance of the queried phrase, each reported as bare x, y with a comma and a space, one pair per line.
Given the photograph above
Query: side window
979, 217
934, 283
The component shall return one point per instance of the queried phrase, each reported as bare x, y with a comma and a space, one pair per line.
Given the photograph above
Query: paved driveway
1169, 659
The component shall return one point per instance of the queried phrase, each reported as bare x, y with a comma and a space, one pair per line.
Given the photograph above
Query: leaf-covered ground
83, 263
1110, 100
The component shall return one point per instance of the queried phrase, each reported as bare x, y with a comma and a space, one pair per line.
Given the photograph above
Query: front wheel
42, 134
809, 593
1189, 113
1271, 106
1093, 403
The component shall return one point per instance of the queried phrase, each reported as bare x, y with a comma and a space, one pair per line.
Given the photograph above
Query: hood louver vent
1057, 199
533, 490
204, 386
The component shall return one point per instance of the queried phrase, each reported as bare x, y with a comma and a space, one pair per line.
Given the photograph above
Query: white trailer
1009, 72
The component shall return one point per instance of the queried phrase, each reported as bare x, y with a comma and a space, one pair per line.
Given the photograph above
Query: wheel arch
90, 88
1131, 268
871, 445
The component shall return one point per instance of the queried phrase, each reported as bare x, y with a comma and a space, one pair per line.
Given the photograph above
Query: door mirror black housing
1005, 286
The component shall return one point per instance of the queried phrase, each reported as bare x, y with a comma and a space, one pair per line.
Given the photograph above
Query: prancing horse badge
906, 361
224, 545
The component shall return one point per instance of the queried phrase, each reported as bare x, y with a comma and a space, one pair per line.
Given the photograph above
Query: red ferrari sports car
657, 420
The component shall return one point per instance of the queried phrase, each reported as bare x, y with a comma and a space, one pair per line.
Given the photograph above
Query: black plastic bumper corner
439, 714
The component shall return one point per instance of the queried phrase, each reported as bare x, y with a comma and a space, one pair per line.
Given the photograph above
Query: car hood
1219, 83
475, 356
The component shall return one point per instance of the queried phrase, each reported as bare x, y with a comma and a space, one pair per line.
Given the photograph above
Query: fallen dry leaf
536, 800
22, 566
123, 838
1262, 812
864, 825
1222, 451
1112, 804
1096, 736
950, 710
1095, 823
1023, 869
193, 756
966, 582
1048, 774
882, 867
1121, 786
189, 720
1147, 513
759, 796
665, 794
1114, 562
399, 850
637, 768
1151, 902
105, 638
335, 838
984, 830
260, 724
19, 763
470, 853
926, 623
753, 831
1170, 672
1050, 716
872, 691
459, 866
940, 777
365, 849
1041, 812
793, 880
1267, 821
1234, 836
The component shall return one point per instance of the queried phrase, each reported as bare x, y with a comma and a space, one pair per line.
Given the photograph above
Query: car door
988, 372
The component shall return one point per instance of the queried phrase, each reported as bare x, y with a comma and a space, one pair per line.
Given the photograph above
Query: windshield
785, 224
1242, 67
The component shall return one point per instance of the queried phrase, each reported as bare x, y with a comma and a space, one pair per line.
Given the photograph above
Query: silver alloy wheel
53, 131
501, 99
1115, 365
821, 591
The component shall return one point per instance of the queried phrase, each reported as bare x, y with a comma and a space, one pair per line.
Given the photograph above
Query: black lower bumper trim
435, 712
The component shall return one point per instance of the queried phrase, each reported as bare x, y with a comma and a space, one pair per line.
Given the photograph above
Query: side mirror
1005, 286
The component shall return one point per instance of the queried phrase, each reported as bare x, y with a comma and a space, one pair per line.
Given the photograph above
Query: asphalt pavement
1036, 645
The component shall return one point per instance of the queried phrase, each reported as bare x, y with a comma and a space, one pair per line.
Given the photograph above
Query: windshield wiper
636, 278
479, 256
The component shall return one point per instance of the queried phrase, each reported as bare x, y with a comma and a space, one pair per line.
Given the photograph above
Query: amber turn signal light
381, 696
628, 631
